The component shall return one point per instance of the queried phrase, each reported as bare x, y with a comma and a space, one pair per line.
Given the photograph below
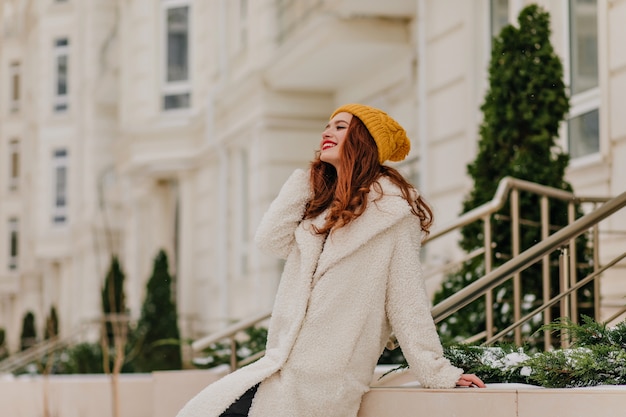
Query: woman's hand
470, 380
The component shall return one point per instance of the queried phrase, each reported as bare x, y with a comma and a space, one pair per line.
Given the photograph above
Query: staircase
42, 349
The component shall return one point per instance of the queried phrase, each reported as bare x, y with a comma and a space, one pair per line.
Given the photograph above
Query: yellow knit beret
390, 137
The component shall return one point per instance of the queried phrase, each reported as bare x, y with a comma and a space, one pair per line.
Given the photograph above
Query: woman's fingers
470, 380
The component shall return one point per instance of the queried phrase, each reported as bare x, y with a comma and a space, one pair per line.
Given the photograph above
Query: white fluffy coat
336, 305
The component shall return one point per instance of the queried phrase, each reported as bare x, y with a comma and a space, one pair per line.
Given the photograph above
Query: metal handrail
230, 333
530, 256
505, 185
557, 298
46, 347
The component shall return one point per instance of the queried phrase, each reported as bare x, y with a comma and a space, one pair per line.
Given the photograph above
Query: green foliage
29, 332
52, 324
524, 105
156, 341
253, 341
590, 333
579, 367
4, 351
597, 357
84, 358
112, 295
493, 365
523, 108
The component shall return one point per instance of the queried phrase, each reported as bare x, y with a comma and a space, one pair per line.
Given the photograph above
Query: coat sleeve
408, 311
275, 233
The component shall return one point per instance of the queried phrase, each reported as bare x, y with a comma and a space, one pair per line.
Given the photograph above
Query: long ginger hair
346, 199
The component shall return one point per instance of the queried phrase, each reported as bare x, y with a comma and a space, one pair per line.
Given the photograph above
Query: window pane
60, 153
499, 16
177, 44
176, 101
60, 185
62, 75
15, 164
16, 87
13, 249
583, 45
584, 134
60, 199
13, 243
15, 81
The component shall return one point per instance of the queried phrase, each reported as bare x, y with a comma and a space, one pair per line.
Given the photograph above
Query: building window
61, 71
14, 74
499, 16
177, 87
59, 175
13, 244
583, 125
584, 134
14, 165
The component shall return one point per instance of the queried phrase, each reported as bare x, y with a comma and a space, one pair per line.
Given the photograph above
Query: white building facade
127, 126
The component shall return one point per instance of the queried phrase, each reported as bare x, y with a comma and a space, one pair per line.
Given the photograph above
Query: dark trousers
241, 407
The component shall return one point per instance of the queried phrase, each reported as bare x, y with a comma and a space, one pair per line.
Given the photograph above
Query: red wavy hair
346, 198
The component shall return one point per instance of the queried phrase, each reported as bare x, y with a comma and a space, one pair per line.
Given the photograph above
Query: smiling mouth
328, 145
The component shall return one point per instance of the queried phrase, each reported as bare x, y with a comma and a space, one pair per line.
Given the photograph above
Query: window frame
61, 102
15, 87
14, 244
585, 101
14, 165
175, 88
60, 159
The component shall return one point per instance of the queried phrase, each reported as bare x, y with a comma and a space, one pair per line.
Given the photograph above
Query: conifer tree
4, 351
29, 331
113, 298
523, 108
115, 332
52, 324
157, 339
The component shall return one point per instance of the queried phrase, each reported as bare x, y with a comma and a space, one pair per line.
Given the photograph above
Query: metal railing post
564, 265
573, 268
488, 265
545, 271
596, 265
517, 280
233, 354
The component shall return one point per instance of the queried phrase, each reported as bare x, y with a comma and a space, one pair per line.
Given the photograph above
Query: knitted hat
390, 137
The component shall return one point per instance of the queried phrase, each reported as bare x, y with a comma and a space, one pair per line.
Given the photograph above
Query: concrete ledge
497, 400
159, 394
162, 394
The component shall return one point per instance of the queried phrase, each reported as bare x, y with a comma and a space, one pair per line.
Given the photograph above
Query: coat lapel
381, 214
310, 244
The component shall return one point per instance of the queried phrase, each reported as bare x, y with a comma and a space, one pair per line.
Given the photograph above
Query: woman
350, 230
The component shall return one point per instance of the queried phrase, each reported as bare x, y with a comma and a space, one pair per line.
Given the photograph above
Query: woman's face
333, 137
